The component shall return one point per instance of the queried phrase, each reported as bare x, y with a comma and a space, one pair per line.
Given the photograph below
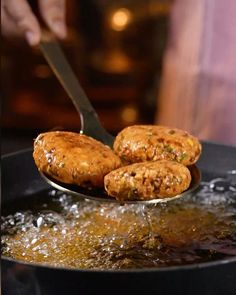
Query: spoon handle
90, 124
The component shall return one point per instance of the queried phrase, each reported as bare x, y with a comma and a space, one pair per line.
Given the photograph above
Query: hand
17, 19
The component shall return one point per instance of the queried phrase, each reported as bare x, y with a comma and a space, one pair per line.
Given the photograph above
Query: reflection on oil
65, 232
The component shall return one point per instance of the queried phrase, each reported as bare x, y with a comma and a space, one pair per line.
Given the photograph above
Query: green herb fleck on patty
168, 148
183, 157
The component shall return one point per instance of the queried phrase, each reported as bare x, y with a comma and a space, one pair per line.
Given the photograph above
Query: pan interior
57, 229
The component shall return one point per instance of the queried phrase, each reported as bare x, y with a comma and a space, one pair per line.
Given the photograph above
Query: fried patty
141, 143
74, 158
148, 180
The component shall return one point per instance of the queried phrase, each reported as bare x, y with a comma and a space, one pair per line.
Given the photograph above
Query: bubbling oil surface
61, 231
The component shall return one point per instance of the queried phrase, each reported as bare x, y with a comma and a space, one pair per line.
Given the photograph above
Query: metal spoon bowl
101, 195
90, 124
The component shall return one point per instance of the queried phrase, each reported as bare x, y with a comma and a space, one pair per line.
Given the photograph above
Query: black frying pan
21, 179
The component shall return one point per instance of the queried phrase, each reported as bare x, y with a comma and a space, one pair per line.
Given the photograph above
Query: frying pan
20, 179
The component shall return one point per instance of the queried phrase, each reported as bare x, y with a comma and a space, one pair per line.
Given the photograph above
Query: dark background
116, 50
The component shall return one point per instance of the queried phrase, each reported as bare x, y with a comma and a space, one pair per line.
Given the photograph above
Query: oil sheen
56, 229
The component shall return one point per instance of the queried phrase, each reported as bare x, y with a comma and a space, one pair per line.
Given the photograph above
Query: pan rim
201, 265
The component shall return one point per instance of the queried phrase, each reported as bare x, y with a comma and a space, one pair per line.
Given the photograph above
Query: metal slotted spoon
90, 125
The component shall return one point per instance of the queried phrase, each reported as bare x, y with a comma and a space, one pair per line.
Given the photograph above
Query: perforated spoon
90, 125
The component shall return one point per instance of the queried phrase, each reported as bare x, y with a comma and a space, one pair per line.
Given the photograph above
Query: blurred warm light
42, 71
120, 19
129, 114
114, 61
26, 103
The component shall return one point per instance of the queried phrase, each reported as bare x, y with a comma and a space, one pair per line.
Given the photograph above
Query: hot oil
60, 231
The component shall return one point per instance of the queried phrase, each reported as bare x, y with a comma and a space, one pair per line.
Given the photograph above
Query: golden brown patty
141, 143
148, 180
74, 158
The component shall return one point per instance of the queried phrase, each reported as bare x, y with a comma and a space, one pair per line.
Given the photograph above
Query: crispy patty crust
74, 158
141, 143
148, 180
